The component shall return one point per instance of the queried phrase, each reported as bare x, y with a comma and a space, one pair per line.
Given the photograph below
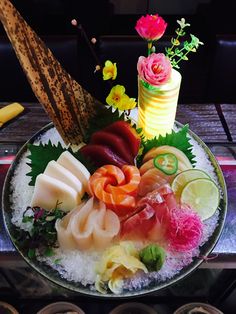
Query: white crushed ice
73, 265
79, 266
21, 192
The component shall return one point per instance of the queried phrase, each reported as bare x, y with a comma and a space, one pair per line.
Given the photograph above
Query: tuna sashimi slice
116, 143
128, 133
102, 155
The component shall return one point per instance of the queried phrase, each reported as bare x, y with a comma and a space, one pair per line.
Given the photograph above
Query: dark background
209, 75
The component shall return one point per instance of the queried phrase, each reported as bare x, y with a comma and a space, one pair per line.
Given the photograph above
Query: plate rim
84, 290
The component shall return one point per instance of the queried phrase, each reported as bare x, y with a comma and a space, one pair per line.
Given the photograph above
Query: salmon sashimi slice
116, 187
132, 176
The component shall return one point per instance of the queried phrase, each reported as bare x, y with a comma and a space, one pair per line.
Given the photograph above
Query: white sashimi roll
106, 228
81, 228
90, 225
50, 193
64, 235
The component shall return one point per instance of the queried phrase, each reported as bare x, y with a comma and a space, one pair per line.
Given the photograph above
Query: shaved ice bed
78, 266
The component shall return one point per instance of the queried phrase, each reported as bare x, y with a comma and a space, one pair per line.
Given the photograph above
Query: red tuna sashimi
116, 143
151, 215
163, 193
102, 155
129, 134
140, 223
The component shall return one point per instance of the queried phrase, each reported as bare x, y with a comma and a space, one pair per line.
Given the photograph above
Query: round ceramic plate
54, 276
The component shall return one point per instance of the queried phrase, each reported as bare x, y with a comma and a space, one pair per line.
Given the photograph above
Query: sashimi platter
95, 205
126, 226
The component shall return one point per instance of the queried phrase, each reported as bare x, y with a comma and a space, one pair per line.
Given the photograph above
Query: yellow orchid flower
118, 99
127, 103
109, 71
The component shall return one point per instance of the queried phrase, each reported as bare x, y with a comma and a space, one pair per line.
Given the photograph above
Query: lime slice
202, 195
184, 177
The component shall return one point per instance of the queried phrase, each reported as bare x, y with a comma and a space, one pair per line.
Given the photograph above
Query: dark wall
52, 19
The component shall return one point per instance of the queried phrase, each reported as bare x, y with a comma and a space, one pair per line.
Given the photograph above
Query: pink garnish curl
155, 69
184, 229
151, 27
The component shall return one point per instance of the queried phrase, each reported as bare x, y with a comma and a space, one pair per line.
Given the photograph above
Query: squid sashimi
89, 226
63, 228
82, 227
116, 187
56, 171
151, 180
107, 226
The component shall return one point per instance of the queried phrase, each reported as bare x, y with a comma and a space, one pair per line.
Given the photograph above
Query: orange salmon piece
116, 187
132, 176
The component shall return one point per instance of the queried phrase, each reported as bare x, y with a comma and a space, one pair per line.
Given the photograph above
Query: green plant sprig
175, 54
42, 236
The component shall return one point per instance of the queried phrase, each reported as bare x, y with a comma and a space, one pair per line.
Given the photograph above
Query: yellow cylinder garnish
157, 106
9, 112
118, 262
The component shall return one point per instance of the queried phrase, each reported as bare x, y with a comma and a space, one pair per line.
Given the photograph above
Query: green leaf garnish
42, 154
179, 139
43, 235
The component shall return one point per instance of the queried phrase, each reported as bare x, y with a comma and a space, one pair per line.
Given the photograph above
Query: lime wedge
202, 195
184, 177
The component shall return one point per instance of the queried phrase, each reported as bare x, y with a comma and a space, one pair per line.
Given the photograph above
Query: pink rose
155, 69
151, 27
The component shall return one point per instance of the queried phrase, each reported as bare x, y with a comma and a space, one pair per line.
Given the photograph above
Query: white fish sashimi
50, 193
182, 158
57, 171
68, 161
